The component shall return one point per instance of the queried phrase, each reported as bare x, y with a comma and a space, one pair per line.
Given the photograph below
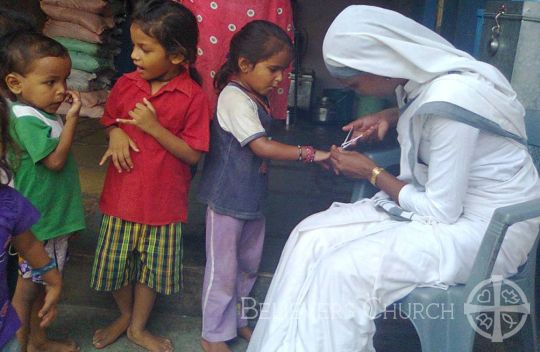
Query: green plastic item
368, 105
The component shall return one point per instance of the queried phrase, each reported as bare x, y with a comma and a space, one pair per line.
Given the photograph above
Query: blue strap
44, 269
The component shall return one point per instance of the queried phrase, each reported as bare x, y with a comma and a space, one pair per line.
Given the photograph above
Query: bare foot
245, 333
104, 337
53, 346
208, 346
149, 341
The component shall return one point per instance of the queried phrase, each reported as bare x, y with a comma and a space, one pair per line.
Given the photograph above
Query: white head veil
386, 43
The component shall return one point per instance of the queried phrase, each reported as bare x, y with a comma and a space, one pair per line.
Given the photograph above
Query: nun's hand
373, 127
351, 164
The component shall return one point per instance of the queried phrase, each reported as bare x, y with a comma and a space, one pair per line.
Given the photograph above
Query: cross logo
497, 308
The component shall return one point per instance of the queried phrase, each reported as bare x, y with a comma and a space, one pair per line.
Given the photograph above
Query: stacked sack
89, 30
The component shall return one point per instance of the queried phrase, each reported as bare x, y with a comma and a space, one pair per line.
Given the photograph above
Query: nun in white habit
463, 154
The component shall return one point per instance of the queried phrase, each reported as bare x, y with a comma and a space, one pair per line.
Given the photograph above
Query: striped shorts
129, 252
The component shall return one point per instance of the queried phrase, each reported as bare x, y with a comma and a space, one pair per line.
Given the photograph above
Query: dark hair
18, 50
4, 142
256, 41
12, 21
173, 26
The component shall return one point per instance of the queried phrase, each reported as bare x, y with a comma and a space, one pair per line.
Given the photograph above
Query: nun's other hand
351, 164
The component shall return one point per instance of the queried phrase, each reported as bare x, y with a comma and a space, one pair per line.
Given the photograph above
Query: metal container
325, 112
305, 89
335, 106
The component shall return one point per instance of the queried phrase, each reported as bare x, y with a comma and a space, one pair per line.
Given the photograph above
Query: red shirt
155, 191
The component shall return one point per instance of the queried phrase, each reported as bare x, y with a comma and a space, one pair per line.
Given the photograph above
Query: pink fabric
101, 7
93, 22
219, 20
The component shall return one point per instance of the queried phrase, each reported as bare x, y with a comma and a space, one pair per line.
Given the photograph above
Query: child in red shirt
158, 125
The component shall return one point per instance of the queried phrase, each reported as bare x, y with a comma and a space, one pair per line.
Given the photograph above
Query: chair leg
445, 336
528, 334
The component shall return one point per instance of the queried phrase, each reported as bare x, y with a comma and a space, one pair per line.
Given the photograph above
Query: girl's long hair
5, 170
173, 25
256, 41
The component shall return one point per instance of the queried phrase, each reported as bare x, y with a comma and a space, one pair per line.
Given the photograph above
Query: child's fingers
47, 317
104, 158
125, 160
149, 105
116, 163
126, 121
75, 96
133, 145
47, 313
139, 106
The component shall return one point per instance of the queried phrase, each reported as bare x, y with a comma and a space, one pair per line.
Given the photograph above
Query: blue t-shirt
17, 215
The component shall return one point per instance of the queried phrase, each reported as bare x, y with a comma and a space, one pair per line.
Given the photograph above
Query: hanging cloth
218, 21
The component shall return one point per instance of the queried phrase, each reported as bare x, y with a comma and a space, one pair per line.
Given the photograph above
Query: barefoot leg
38, 340
25, 295
245, 333
137, 333
106, 336
220, 346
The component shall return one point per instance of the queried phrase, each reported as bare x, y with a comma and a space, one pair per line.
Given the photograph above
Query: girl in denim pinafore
234, 178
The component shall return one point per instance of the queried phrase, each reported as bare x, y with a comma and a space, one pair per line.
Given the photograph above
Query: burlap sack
102, 7
54, 28
93, 112
93, 22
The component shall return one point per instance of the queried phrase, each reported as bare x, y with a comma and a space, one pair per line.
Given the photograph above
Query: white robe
342, 267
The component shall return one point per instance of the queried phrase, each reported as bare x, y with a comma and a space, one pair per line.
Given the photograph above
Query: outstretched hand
351, 164
143, 116
119, 150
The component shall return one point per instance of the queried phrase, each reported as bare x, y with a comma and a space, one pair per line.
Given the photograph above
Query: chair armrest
491, 243
385, 157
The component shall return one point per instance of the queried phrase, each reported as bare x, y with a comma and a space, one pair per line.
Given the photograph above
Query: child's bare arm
55, 161
32, 250
269, 149
144, 117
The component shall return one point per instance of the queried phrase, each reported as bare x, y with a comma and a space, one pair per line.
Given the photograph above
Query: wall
29, 7
315, 16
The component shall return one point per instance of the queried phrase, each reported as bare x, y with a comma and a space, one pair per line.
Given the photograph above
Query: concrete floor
296, 191
79, 323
